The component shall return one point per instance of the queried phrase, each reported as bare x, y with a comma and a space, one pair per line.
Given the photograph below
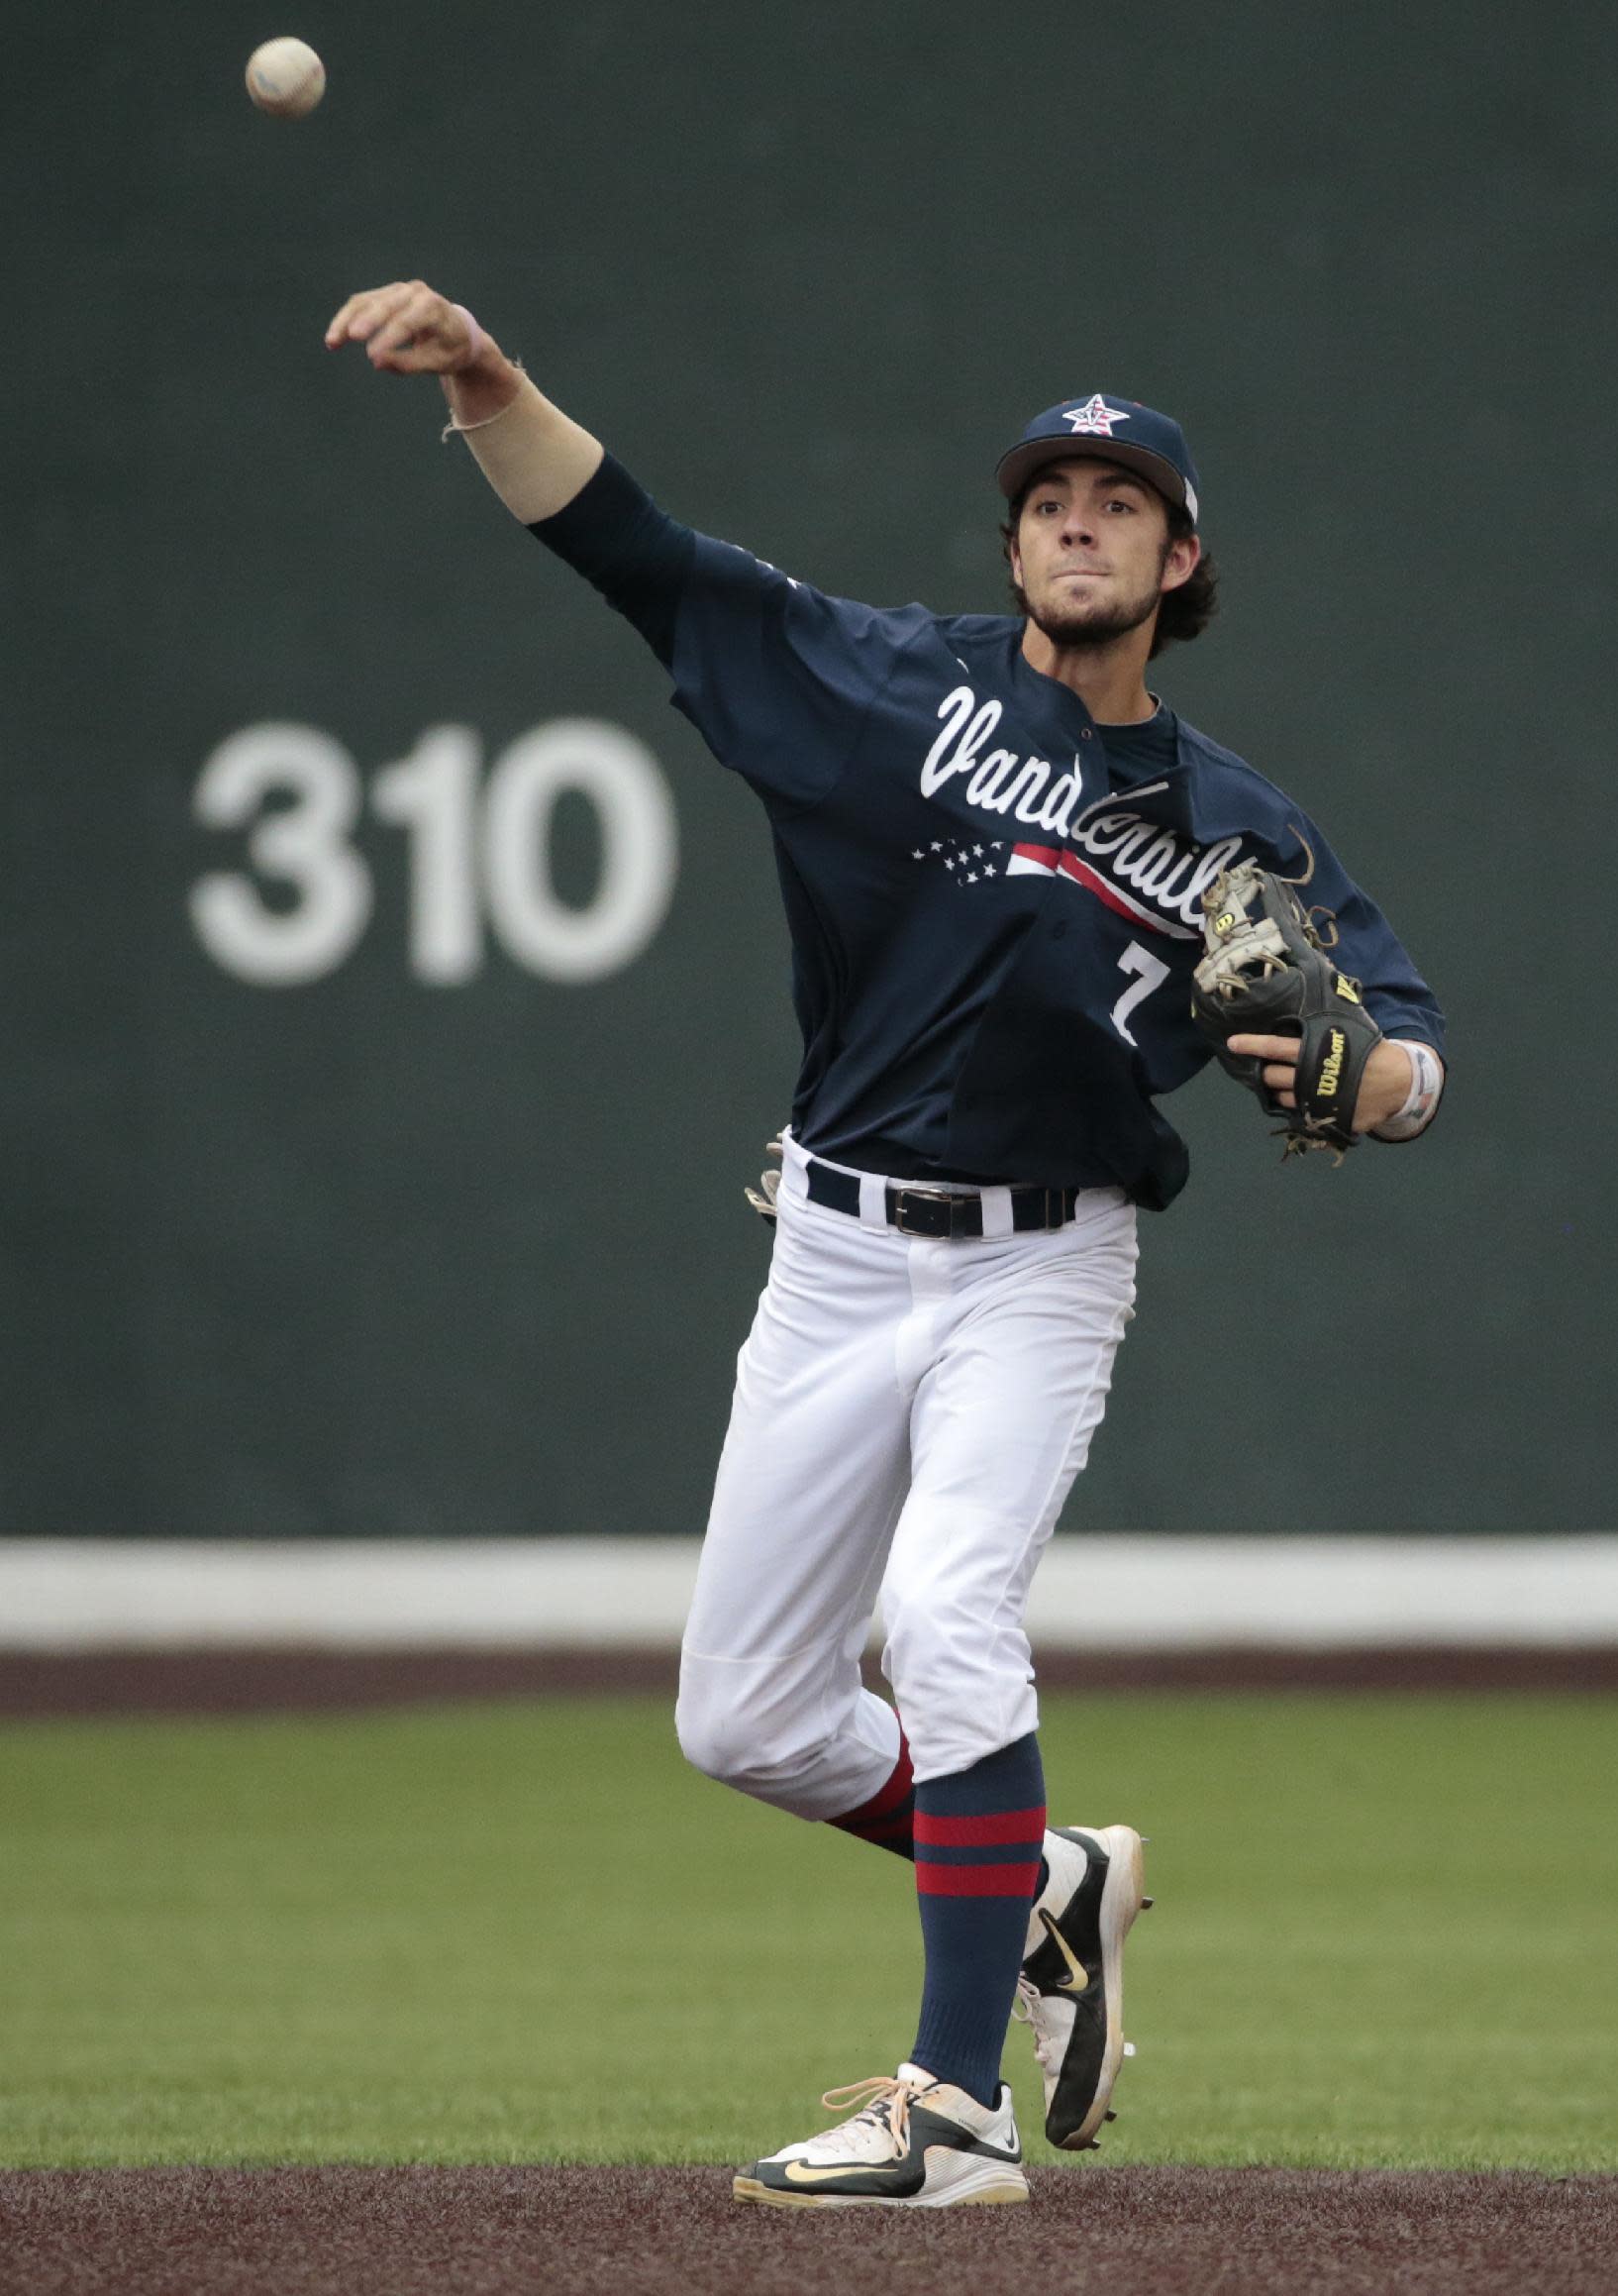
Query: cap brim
1014, 470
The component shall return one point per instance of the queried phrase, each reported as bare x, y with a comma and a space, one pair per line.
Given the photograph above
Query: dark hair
1184, 614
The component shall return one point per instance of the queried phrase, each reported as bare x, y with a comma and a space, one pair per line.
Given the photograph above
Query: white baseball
286, 78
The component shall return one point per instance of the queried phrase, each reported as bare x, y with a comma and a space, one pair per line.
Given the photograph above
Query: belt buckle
928, 1195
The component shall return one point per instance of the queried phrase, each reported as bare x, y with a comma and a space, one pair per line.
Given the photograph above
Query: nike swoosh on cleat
800, 2173
1080, 1976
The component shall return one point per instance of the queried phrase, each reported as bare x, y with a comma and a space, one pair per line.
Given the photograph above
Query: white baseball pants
909, 1416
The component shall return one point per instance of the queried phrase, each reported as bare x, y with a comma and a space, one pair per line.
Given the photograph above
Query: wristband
1426, 1084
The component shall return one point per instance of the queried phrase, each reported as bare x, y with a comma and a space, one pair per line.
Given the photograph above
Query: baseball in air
286, 78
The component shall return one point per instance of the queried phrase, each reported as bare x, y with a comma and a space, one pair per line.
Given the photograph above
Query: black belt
921, 1211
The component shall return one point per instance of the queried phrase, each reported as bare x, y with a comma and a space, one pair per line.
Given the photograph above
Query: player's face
1094, 555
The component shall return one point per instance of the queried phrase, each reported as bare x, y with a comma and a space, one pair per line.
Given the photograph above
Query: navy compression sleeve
626, 548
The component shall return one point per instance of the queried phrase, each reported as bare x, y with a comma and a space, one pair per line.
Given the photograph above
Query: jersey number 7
1152, 973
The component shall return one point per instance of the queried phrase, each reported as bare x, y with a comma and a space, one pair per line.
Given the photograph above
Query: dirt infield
670, 2232
230, 1681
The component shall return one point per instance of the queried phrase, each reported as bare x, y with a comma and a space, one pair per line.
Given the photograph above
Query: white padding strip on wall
1094, 1591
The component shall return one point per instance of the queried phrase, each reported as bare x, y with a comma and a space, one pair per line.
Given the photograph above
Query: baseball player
995, 845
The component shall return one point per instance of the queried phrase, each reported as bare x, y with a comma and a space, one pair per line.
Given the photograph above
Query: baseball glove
763, 1197
1266, 972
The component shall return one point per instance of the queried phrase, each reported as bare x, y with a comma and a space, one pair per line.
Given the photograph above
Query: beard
1075, 624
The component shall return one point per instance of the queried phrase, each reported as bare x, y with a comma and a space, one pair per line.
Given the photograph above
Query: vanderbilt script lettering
1156, 863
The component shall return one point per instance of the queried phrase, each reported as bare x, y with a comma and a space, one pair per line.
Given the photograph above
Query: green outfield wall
394, 993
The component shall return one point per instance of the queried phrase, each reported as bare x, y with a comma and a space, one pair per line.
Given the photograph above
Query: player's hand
1383, 1089
407, 329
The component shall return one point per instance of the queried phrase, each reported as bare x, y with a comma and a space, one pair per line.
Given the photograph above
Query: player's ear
1181, 560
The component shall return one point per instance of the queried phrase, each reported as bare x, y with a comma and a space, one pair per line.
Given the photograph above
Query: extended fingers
362, 314
418, 315
388, 321
337, 329
1280, 1053
1267, 1048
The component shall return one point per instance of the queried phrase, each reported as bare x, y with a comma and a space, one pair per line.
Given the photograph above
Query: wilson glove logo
1330, 1068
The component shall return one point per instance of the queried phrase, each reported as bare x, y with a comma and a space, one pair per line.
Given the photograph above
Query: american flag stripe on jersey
1053, 861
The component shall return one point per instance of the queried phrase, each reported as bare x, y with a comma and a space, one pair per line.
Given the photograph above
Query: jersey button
1085, 735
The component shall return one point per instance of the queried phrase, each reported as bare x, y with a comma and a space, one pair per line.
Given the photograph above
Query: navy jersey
993, 928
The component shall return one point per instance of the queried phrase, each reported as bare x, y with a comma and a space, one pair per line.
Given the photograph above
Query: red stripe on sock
978, 1833
978, 1881
883, 1803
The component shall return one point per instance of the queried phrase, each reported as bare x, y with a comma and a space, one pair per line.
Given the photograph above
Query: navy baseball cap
1115, 430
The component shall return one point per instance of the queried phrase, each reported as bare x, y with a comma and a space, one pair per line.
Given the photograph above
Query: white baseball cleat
1071, 1989
913, 2142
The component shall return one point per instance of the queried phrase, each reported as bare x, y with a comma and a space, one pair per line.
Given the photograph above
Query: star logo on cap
1094, 419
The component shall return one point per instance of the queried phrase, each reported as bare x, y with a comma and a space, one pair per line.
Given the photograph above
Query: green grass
1384, 1937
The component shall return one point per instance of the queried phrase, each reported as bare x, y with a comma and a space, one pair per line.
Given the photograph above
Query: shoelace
883, 2100
1022, 2009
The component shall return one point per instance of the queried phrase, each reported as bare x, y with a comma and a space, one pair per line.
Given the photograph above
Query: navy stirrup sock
977, 1841
888, 1818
